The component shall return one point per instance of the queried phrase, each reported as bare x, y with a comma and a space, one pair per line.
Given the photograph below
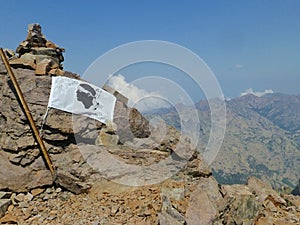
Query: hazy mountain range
262, 138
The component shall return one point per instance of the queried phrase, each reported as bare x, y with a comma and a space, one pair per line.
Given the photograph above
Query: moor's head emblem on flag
82, 98
87, 96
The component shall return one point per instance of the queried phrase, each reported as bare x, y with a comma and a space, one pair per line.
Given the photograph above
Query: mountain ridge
257, 141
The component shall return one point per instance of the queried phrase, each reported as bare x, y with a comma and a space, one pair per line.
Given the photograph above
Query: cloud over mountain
139, 98
257, 93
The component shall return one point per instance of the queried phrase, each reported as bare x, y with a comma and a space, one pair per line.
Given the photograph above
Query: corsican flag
82, 98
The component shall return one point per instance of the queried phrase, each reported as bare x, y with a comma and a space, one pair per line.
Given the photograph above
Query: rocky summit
38, 53
125, 172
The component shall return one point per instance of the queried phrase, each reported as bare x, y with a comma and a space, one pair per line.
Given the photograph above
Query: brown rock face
38, 53
130, 122
138, 124
24, 168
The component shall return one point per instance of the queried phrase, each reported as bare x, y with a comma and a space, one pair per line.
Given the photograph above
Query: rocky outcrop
130, 123
191, 196
174, 201
82, 192
23, 167
257, 203
38, 53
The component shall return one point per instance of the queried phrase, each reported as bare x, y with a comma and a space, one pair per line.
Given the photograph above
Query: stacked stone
39, 54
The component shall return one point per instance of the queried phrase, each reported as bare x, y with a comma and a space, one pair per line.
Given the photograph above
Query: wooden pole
27, 112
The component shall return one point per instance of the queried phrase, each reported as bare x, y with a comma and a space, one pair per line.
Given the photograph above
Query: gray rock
169, 215
166, 219
243, 206
19, 198
21, 179
22, 63
70, 182
264, 191
23, 205
27, 159
35, 37
174, 193
9, 53
4, 194
28, 197
2, 68
49, 190
130, 123
106, 139
205, 202
16, 158
114, 209
16, 136
4, 203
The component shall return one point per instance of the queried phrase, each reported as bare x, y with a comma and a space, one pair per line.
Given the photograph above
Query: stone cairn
38, 53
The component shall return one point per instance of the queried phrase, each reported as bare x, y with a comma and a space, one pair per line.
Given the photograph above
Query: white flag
82, 98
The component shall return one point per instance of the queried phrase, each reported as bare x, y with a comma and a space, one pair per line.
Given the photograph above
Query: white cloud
138, 98
239, 66
257, 93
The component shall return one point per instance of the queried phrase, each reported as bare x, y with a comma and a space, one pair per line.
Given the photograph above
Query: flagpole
27, 113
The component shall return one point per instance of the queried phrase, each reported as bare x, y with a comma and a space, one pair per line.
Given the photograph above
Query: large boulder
243, 207
23, 167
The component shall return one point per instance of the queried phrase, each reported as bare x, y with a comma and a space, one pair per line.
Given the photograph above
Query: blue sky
247, 44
